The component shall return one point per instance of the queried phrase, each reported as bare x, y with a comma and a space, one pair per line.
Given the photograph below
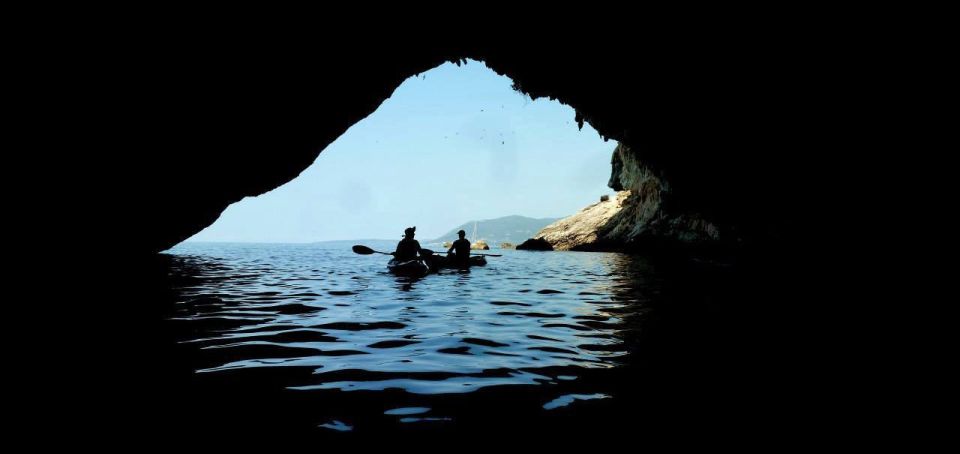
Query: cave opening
270, 301
288, 346
457, 145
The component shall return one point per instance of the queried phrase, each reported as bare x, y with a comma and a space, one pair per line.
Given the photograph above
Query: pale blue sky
451, 145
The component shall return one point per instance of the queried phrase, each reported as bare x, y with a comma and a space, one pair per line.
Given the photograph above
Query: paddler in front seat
460, 250
407, 248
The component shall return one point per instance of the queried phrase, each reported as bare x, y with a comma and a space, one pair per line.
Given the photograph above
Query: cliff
583, 228
640, 214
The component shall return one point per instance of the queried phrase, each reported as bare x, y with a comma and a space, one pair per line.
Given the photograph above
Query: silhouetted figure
407, 248
460, 250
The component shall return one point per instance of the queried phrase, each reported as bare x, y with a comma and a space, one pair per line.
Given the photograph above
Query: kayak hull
409, 268
440, 262
434, 263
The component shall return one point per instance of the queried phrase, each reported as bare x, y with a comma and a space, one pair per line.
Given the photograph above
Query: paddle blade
362, 250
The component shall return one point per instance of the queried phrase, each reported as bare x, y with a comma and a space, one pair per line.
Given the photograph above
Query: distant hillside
511, 229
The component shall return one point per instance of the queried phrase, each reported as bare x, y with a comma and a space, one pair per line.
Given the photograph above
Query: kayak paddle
363, 250
471, 254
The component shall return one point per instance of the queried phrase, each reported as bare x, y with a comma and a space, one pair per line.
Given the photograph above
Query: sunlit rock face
648, 213
583, 229
639, 213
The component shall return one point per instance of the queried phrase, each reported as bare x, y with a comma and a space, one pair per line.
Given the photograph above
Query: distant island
508, 229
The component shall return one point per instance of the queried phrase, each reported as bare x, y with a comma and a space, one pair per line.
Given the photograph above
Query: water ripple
526, 319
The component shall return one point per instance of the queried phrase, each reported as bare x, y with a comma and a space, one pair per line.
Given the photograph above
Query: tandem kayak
411, 268
422, 267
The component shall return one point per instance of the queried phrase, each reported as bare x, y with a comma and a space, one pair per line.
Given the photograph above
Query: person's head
409, 232
462, 234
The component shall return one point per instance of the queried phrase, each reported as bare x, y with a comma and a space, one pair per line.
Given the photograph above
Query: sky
451, 145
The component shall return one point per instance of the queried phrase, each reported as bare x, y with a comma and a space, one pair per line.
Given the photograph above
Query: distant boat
479, 244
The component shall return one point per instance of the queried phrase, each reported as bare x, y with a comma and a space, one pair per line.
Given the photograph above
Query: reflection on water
326, 322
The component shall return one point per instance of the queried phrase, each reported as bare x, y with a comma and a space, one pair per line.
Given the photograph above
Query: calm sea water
328, 342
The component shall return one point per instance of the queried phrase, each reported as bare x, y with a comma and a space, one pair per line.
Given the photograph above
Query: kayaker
407, 248
460, 250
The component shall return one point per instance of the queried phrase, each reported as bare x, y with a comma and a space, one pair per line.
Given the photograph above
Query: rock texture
584, 227
650, 213
639, 214
535, 244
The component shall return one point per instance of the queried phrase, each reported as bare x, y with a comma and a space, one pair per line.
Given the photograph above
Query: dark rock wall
648, 214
